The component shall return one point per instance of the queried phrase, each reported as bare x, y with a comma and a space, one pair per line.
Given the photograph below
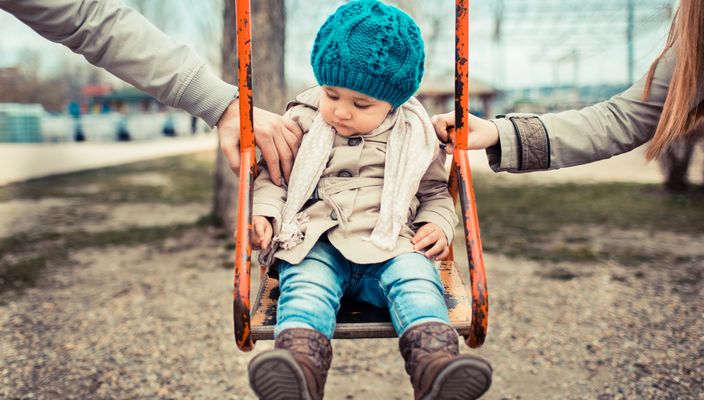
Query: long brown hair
680, 115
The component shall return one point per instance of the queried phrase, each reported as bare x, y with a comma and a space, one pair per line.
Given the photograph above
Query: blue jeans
310, 292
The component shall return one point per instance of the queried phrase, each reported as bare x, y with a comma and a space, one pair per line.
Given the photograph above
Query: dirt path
19, 162
154, 321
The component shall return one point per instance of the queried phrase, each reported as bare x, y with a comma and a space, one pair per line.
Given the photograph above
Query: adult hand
278, 140
482, 133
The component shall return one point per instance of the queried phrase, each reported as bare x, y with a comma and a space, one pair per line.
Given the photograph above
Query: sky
531, 42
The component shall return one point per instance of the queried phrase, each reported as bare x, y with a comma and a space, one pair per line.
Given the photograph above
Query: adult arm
119, 39
552, 141
529, 142
122, 41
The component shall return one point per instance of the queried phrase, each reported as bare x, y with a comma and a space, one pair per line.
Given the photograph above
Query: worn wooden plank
359, 320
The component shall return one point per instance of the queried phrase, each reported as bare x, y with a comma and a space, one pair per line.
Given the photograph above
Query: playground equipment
466, 301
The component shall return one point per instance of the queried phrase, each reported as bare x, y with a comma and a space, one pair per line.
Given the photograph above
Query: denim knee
414, 291
310, 293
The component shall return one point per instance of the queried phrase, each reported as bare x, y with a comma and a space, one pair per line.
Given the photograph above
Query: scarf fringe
291, 234
387, 240
382, 242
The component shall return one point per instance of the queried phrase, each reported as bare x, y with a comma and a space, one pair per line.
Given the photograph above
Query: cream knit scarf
410, 150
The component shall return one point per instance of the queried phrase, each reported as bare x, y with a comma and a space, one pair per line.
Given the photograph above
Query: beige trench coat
350, 191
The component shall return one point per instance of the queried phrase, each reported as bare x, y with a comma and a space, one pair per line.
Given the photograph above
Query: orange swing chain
243, 252
461, 179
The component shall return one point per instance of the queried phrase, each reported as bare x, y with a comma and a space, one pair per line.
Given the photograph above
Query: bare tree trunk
676, 159
675, 163
268, 35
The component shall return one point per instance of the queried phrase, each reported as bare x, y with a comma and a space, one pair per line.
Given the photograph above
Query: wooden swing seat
357, 320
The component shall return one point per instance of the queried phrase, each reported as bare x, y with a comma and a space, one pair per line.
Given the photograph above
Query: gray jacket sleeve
552, 141
119, 39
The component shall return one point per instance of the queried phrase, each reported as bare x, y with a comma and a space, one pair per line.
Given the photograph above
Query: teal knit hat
371, 48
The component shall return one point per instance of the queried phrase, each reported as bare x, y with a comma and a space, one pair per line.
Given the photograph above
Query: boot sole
275, 375
466, 378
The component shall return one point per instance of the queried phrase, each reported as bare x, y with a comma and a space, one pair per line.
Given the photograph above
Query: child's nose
342, 112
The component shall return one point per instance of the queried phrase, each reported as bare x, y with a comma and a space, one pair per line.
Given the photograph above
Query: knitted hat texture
372, 48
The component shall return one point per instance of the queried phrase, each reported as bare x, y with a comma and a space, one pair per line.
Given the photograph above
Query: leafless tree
200, 18
677, 159
436, 20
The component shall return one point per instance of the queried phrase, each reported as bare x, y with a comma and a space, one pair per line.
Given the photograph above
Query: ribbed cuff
207, 96
534, 143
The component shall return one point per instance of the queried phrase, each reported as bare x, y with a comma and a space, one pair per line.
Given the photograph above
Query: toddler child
365, 211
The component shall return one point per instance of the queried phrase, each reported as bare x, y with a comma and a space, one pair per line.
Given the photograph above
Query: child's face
352, 113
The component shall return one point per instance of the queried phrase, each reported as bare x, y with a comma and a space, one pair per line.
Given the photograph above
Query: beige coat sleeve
119, 39
552, 141
436, 205
269, 199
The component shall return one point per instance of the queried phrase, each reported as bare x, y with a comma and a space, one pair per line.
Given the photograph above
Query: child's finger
266, 237
443, 255
427, 241
424, 231
255, 239
436, 249
258, 228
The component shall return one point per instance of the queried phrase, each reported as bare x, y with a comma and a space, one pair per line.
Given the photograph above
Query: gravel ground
155, 322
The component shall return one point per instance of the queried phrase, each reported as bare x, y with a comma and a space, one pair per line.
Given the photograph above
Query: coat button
333, 215
354, 141
345, 173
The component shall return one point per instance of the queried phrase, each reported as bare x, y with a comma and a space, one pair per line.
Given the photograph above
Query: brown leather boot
295, 370
437, 370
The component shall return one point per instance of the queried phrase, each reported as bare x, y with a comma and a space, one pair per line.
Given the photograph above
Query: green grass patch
525, 220
560, 273
539, 210
125, 237
22, 273
34, 250
516, 220
173, 180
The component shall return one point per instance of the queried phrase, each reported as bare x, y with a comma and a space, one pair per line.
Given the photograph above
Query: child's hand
262, 232
431, 235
